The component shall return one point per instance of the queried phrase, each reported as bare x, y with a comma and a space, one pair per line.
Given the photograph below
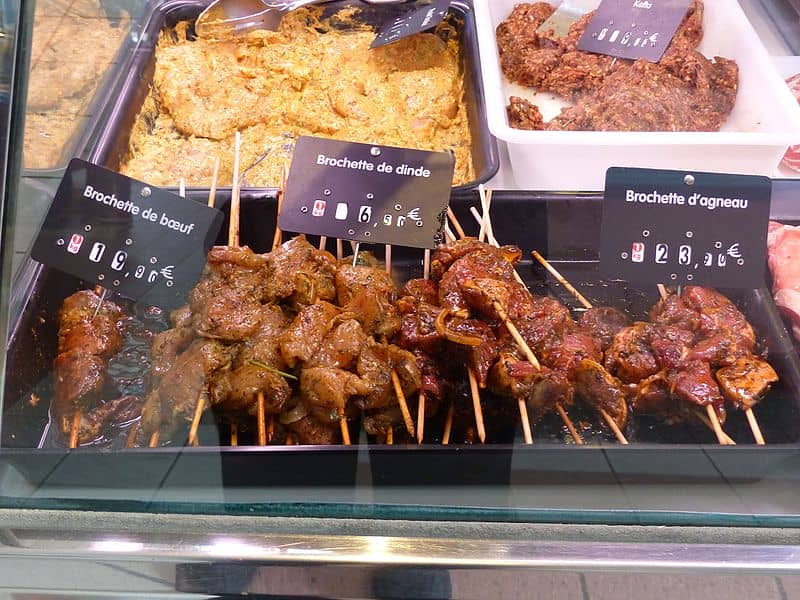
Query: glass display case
315, 417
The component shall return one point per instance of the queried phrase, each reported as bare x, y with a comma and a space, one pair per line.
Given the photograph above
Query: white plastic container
764, 121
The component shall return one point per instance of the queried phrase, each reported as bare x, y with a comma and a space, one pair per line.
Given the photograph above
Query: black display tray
563, 228
112, 130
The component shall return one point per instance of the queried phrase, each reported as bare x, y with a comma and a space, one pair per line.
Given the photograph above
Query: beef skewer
426, 273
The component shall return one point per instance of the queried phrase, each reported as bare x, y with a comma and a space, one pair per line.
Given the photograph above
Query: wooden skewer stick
401, 400
234, 434
426, 264
343, 426
154, 439
388, 257
289, 439
662, 291
614, 427
476, 405
323, 241
751, 420
198, 413
212, 191
560, 278
339, 249
452, 216
448, 424
262, 419
716, 425
233, 222
75, 429
421, 417
570, 426
132, 431
390, 436
270, 429
704, 419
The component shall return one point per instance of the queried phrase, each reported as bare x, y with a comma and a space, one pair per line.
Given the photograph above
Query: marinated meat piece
79, 380
783, 245
226, 303
302, 338
351, 280
565, 353
421, 290
522, 114
265, 344
300, 273
547, 318
243, 387
480, 357
719, 350
99, 336
481, 293
522, 24
653, 398
670, 345
746, 381
195, 372
630, 356
719, 315
577, 73
151, 418
340, 348
310, 431
102, 418
484, 263
380, 422
81, 306
375, 366
165, 349
601, 390
376, 313
604, 322
326, 390
181, 317
694, 384
418, 328
446, 254
672, 310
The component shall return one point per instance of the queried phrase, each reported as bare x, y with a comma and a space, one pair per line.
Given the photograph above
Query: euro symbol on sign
413, 214
654, 38
167, 272
734, 251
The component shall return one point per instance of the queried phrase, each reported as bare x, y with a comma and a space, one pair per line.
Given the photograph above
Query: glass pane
327, 339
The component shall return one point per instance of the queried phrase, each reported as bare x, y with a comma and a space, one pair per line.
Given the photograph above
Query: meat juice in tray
159, 131
29, 387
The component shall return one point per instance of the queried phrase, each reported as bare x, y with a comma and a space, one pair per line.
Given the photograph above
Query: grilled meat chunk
243, 386
302, 338
107, 416
630, 356
694, 384
604, 322
165, 349
340, 348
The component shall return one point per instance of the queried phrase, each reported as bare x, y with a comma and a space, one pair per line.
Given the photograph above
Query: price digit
139, 273
662, 252
119, 260
684, 255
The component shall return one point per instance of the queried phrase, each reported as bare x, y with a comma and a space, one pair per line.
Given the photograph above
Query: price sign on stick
633, 28
131, 238
680, 227
416, 21
367, 193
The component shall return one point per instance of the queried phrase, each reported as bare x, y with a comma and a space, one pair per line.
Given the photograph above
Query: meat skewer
426, 274
485, 222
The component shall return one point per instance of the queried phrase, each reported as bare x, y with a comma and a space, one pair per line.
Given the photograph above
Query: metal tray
112, 130
563, 228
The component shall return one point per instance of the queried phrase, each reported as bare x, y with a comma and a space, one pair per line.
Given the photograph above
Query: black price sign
633, 28
685, 228
137, 240
367, 193
416, 21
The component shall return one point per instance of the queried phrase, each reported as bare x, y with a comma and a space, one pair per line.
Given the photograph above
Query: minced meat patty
685, 91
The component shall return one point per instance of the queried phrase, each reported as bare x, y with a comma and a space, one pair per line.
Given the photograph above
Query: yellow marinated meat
312, 77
